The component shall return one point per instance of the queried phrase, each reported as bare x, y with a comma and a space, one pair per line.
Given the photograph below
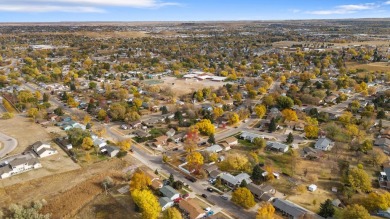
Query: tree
366, 146
311, 131
243, 197
72, 102
326, 209
270, 173
233, 118
266, 211
117, 111
139, 181
376, 201
217, 111
86, 119
289, 115
285, 102
32, 112
259, 142
172, 213
77, 135
205, 127
272, 125
92, 85
260, 110
147, 202
171, 179
45, 97
124, 145
102, 114
58, 111
195, 160
257, 173
87, 143
235, 162
290, 138
358, 179
355, 211
7, 115
243, 184
211, 139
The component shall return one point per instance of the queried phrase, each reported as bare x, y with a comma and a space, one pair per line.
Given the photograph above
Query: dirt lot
68, 192
183, 86
312, 200
378, 66
25, 131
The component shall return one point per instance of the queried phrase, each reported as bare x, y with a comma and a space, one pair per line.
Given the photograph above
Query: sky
188, 10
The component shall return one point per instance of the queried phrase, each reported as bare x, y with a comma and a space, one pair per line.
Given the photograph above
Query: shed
312, 188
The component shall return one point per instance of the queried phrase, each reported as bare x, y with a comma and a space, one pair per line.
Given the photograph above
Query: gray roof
164, 201
168, 191
243, 176
229, 178
111, 148
289, 208
5, 169
382, 142
214, 148
277, 146
322, 142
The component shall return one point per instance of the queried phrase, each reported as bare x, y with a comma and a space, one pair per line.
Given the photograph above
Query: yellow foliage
289, 115
125, 145
87, 143
260, 110
266, 211
147, 202
311, 131
195, 159
205, 127
139, 181
243, 197
233, 118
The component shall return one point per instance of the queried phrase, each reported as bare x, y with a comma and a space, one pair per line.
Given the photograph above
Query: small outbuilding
312, 188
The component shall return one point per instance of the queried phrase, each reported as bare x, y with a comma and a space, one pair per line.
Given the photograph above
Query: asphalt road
8, 143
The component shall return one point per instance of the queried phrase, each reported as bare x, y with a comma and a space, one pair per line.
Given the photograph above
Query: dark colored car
204, 195
224, 197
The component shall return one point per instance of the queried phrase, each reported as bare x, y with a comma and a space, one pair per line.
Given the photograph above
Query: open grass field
183, 86
377, 66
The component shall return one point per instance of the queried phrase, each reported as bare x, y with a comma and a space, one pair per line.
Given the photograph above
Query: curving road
8, 144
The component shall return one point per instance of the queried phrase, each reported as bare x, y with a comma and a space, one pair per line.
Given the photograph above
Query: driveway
8, 144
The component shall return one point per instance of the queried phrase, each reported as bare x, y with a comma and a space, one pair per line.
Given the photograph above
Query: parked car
204, 195
224, 197
210, 189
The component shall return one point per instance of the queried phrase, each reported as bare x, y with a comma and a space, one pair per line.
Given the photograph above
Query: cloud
77, 6
387, 3
346, 9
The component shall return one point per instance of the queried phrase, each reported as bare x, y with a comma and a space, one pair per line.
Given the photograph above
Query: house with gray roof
250, 136
170, 192
276, 146
263, 192
43, 149
214, 149
234, 181
111, 150
165, 203
18, 165
324, 144
291, 210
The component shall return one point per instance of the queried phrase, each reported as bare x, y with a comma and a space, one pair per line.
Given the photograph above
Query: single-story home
111, 151
324, 144
249, 136
165, 203
141, 134
231, 141
263, 192
191, 207
171, 132
170, 192
214, 149
382, 142
276, 146
292, 210
234, 181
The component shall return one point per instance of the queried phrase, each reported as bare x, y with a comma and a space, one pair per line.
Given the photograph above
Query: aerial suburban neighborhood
270, 119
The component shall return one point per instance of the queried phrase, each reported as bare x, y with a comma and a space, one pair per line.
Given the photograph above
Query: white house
42, 149
324, 144
99, 142
312, 188
214, 149
19, 165
165, 203
170, 192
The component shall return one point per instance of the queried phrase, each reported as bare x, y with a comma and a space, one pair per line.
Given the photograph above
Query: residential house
65, 143
249, 136
156, 183
231, 141
170, 192
274, 113
135, 124
161, 141
192, 208
99, 142
225, 146
170, 133
276, 146
263, 192
331, 99
141, 134
215, 174
18, 165
111, 151
324, 144
296, 125
207, 107
291, 210
234, 181
311, 153
43, 150
214, 149
165, 203
386, 133
382, 142
210, 167
178, 137
384, 178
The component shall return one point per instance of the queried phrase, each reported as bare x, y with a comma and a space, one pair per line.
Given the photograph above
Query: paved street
8, 144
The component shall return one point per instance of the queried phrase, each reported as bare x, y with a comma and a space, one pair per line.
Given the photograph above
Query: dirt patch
312, 200
105, 207
183, 86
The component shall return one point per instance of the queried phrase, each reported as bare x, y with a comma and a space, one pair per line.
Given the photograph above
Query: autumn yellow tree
266, 211
205, 127
233, 118
311, 131
243, 197
86, 119
139, 181
217, 112
376, 201
260, 110
87, 143
33, 113
355, 211
125, 145
172, 213
102, 114
289, 115
147, 202
194, 160
235, 162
